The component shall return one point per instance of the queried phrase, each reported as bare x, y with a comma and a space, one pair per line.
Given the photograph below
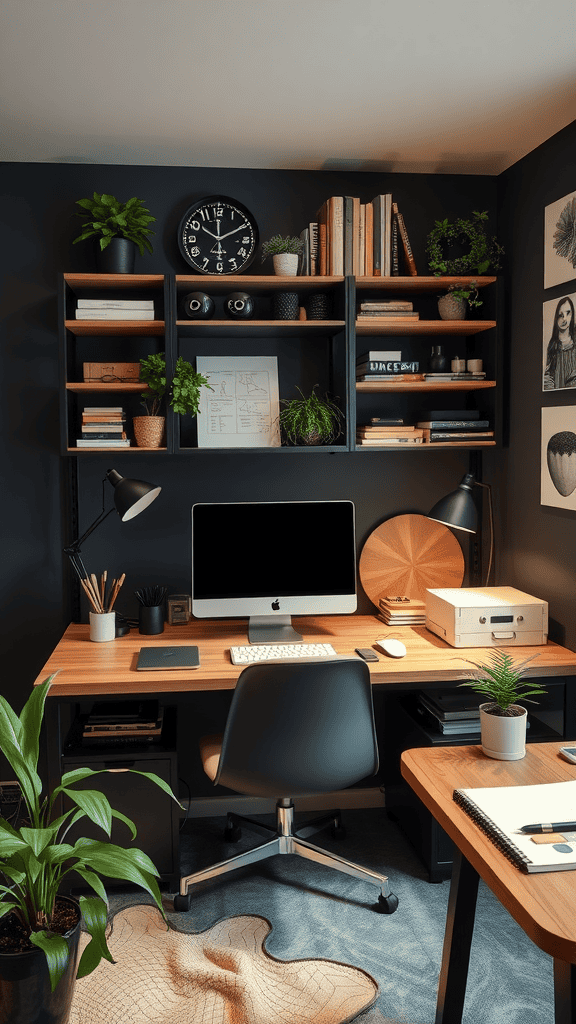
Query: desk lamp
458, 509
130, 498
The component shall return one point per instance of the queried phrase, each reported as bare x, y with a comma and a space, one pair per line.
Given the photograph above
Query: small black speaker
198, 306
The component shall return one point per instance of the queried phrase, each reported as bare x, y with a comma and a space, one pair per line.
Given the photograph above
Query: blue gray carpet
318, 912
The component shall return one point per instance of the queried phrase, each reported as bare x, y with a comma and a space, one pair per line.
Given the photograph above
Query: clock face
218, 235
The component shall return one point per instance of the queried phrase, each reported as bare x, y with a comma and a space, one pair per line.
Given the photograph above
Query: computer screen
267, 561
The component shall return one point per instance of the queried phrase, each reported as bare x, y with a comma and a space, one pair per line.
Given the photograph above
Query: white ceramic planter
503, 737
286, 264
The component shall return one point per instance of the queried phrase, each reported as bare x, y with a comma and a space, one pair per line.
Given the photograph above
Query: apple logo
276, 605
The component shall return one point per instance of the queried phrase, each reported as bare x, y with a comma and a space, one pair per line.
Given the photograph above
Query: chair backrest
299, 727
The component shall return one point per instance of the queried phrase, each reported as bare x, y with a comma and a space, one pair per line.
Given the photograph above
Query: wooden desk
544, 905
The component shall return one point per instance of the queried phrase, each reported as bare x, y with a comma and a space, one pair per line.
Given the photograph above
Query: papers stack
402, 611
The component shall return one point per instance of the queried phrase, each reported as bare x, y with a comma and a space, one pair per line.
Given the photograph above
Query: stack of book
115, 309
452, 375
108, 723
402, 611
350, 237
103, 427
376, 313
456, 426
386, 365
379, 432
455, 713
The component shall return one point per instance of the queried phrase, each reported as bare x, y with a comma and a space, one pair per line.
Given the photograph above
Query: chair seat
210, 750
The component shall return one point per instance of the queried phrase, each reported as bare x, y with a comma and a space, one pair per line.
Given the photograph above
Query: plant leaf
95, 919
57, 953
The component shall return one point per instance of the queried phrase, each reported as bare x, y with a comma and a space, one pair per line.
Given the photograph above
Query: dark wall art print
558, 459
558, 348
560, 241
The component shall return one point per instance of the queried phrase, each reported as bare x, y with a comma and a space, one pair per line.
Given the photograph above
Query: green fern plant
310, 420
502, 682
279, 244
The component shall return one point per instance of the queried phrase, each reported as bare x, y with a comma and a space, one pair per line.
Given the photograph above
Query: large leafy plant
107, 217
502, 682
184, 390
35, 858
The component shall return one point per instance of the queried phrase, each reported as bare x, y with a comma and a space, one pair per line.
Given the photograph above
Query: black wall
537, 542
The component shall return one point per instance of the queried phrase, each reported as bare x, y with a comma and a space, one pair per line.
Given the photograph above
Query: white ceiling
409, 85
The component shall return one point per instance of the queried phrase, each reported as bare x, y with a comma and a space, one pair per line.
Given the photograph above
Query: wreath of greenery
484, 252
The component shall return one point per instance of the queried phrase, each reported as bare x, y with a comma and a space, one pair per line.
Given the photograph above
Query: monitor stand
272, 629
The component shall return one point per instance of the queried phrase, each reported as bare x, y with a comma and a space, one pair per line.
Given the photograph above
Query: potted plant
40, 926
502, 719
483, 252
184, 396
285, 251
120, 227
311, 420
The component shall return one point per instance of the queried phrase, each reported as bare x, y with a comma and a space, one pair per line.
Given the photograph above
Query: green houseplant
183, 396
502, 718
310, 420
36, 857
119, 228
482, 253
285, 251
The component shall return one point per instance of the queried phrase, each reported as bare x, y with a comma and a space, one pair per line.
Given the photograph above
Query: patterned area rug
220, 976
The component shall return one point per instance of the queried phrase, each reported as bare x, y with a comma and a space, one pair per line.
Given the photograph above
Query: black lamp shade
131, 496
458, 508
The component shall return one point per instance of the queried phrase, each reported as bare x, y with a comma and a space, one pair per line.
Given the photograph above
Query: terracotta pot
286, 264
25, 993
149, 431
503, 737
450, 308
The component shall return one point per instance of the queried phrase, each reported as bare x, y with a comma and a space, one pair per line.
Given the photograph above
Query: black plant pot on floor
117, 258
25, 994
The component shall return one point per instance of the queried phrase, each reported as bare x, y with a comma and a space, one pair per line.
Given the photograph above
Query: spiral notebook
501, 811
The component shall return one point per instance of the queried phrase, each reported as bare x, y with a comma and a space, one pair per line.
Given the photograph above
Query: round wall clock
218, 235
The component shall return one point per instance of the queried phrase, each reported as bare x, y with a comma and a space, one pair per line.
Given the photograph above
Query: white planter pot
503, 737
286, 264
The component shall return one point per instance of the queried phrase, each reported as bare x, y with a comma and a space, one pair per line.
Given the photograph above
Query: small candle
474, 365
458, 365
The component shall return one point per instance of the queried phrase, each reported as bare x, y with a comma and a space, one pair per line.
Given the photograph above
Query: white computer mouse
394, 648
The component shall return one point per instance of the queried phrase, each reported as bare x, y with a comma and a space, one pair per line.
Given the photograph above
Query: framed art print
558, 457
558, 343
560, 241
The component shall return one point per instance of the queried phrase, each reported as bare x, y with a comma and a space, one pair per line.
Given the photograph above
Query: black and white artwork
558, 457
560, 241
558, 348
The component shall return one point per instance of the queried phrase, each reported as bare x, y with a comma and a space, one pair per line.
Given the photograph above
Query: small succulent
279, 244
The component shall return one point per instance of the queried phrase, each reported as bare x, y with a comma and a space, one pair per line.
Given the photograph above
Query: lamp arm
491, 519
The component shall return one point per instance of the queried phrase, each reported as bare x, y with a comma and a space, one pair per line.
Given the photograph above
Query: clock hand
234, 230
211, 233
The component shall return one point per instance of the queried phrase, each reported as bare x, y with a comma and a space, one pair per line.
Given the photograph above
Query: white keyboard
274, 652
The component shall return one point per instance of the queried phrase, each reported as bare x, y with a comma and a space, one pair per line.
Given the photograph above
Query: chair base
286, 840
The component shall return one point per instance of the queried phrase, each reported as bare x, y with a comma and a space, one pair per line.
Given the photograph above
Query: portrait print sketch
558, 343
560, 241
558, 457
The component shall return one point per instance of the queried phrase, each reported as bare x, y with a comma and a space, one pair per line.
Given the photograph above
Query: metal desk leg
564, 992
457, 941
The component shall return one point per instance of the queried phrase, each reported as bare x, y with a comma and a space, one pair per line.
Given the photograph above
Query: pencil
118, 584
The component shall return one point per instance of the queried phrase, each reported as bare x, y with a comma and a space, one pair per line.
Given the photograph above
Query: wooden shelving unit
309, 352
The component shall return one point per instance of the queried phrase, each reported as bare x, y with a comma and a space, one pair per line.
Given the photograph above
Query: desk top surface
86, 668
543, 904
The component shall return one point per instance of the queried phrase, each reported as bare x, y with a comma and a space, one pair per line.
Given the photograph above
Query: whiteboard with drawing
241, 410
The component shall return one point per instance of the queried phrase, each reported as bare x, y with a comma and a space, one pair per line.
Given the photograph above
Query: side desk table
543, 904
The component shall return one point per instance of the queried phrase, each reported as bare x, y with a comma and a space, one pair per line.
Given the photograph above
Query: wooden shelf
424, 385
103, 327
120, 281
424, 446
262, 283
460, 327
95, 451
420, 284
81, 387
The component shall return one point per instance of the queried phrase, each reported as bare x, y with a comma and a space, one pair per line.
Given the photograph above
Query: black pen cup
151, 619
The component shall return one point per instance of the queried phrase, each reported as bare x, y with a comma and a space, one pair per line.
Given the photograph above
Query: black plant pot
117, 258
25, 994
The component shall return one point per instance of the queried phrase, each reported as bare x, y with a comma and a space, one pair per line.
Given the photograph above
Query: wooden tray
407, 554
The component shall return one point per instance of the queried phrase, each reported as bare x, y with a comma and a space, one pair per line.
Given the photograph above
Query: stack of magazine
453, 713
115, 722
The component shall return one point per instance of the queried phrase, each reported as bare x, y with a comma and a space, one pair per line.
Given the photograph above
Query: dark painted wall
537, 542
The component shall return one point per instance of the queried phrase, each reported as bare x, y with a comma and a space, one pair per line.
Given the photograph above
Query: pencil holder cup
151, 619
102, 626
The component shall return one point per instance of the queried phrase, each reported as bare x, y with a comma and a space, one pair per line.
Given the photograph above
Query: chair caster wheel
182, 903
233, 834
339, 832
387, 904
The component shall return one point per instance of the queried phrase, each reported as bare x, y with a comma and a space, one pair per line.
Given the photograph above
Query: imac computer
269, 560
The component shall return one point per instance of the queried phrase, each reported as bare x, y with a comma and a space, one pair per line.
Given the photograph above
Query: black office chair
293, 728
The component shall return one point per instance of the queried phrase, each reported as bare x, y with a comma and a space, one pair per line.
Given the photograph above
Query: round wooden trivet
407, 554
